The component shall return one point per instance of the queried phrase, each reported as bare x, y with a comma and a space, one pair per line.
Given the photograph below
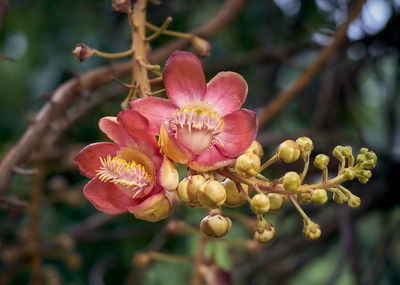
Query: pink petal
88, 159
106, 197
138, 127
210, 160
226, 92
111, 127
240, 130
184, 78
155, 109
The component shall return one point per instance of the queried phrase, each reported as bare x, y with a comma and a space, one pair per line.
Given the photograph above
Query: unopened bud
291, 181
82, 52
248, 165
288, 151
154, 208
168, 175
216, 225
142, 259
304, 197
276, 201
354, 201
321, 161
211, 194
348, 174
319, 197
263, 231
260, 204
311, 230
201, 46
305, 145
234, 197
188, 189
255, 148
339, 197
338, 153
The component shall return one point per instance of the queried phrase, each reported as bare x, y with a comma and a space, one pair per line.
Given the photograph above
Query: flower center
131, 175
196, 127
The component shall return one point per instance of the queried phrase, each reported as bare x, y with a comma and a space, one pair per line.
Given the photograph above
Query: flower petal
240, 130
111, 127
88, 159
226, 92
173, 148
209, 160
168, 176
155, 109
106, 197
184, 78
138, 127
155, 208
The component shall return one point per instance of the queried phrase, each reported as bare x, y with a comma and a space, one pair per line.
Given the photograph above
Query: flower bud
211, 194
304, 197
291, 181
188, 189
248, 165
288, 151
122, 6
82, 52
305, 145
311, 230
339, 197
276, 201
354, 201
319, 196
234, 197
154, 208
255, 148
142, 259
263, 231
348, 174
216, 225
201, 46
168, 176
321, 161
260, 204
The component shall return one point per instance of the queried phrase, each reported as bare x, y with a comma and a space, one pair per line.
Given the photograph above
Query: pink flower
201, 124
128, 175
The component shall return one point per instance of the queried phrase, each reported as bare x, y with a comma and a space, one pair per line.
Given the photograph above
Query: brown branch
285, 96
69, 91
198, 261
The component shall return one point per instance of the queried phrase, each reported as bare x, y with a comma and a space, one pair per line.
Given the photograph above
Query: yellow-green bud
188, 189
347, 151
234, 197
339, 197
321, 161
311, 230
260, 204
305, 145
354, 201
338, 152
304, 197
248, 165
291, 181
319, 196
211, 194
255, 148
288, 151
201, 46
263, 231
348, 174
276, 201
216, 225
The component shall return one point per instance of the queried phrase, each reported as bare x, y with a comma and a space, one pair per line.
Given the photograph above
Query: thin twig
198, 261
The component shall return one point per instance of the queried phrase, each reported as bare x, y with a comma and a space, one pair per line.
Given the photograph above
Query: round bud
201, 47
188, 189
348, 174
311, 230
288, 151
291, 181
260, 204
211, 194
354, 202
234, 197
264, 236
321, 161
319, 196
248, 165
304, 197
216, 225
305, 145
255, 148
154, 208
339, 197
347, 151
276, 201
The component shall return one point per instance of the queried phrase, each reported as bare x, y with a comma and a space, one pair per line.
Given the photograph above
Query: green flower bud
354, 201
234, 197
321, 161
291, 181
255, 148
260, 204
348, 174
347, 151
311, 230
288, 151
276, 201
319, 196
265, 236
248, 165
363, 176
304, 197
211, 194
216, 225
338, 153
305, 145
339, 197
366, 159
188, 189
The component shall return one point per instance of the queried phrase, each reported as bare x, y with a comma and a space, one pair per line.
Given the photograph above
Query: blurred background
353, 100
